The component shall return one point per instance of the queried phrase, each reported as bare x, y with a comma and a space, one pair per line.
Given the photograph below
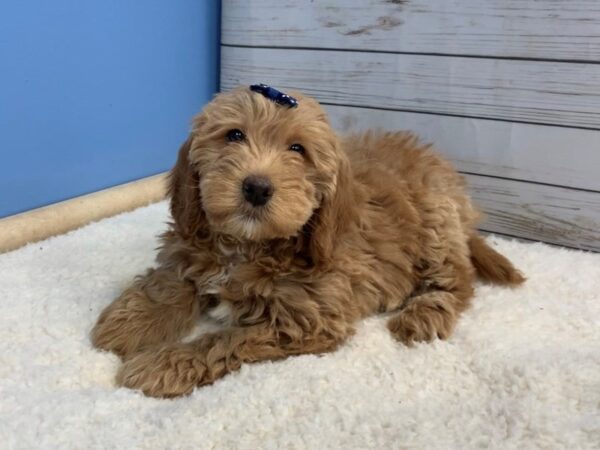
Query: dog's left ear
332, 218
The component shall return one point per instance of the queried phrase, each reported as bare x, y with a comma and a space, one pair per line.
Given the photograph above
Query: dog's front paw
169, 371
127, 325
422, 321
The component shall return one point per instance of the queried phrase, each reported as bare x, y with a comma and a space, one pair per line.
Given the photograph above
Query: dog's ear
333, 216
184, 191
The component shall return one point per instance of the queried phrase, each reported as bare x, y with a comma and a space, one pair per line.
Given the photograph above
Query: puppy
288, 235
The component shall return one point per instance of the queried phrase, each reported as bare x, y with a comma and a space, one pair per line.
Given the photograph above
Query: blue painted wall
98, 93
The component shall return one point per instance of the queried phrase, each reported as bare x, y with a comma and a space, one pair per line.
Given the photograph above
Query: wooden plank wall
508, 90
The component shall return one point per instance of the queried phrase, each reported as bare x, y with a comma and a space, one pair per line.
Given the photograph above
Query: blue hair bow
274, 95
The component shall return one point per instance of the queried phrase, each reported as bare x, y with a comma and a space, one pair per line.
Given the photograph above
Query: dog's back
413, 164
423, 173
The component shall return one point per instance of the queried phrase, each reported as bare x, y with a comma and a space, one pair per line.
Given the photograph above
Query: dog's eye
297, 148
235, 135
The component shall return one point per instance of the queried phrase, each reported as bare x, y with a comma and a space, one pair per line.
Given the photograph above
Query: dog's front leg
157, 308
176, 369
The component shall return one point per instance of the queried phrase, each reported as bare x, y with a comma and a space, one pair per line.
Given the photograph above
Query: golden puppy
288, 235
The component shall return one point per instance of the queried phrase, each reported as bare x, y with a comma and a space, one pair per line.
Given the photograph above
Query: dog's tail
491, 265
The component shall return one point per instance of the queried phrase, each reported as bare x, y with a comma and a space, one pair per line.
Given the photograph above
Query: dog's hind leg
158, 307
447, 277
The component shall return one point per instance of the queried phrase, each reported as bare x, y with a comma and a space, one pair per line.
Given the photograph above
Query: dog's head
257, 170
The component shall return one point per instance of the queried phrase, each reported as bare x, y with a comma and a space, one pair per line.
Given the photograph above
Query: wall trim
58, 218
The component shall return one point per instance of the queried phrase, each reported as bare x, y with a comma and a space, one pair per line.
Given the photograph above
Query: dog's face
263, 169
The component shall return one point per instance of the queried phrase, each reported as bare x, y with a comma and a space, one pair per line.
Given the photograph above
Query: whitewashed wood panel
507, 89
528, 91
554, 155
547, 213
550, 29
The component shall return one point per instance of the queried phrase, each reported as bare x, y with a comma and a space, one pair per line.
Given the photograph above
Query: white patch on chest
220, 313
210, 283
204, 326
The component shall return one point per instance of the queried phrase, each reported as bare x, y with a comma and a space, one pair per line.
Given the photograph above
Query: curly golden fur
351, 227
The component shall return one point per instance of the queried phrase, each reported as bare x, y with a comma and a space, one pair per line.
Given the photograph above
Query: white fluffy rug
521, 371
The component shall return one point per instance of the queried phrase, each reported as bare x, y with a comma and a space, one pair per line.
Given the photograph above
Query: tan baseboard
41, 223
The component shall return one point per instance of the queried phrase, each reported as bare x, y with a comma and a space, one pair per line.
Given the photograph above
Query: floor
521, 371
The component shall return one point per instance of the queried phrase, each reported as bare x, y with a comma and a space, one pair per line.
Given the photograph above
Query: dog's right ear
184, 191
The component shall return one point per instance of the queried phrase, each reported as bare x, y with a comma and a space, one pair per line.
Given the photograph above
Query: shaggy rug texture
521, 371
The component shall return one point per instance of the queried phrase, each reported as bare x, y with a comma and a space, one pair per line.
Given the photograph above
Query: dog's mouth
254, 213
254, 221
250, 226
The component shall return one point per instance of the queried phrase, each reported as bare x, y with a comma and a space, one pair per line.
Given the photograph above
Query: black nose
257, 190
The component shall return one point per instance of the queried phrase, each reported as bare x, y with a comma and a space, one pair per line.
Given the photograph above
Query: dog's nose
257, 190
